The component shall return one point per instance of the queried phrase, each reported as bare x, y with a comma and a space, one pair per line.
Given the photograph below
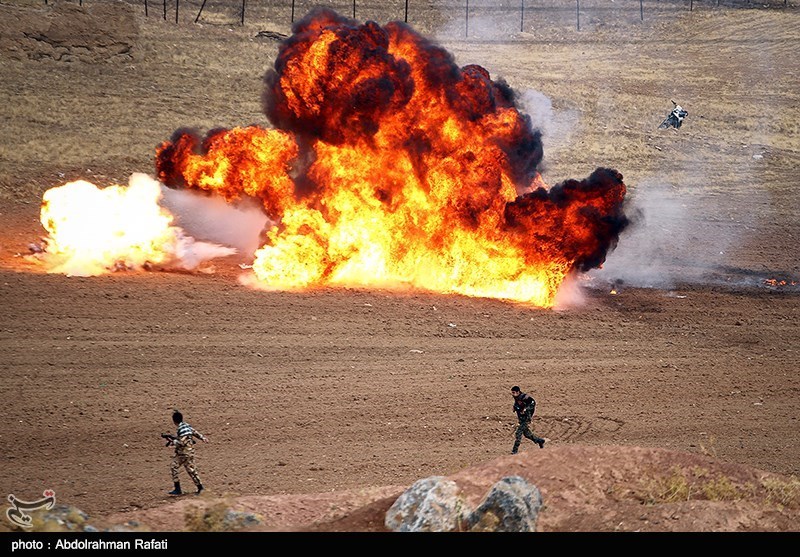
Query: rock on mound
568, 488
68, 32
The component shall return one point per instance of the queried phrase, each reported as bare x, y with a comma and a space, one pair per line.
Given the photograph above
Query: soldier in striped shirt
184, 453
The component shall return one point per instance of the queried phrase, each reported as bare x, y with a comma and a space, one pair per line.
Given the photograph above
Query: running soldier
524, 406
184, 452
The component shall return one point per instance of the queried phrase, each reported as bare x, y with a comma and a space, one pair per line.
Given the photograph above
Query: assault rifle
170, 439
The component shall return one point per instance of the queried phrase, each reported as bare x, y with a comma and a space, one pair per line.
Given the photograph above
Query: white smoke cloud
215, 220
190, 254
569, 294
556, 127
481, 24
669, 242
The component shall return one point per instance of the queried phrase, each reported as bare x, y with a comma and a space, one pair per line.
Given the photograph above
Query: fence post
165, 10
466, 29
177, 7
145, 7
521, 15
354, 9
203, 5
406, 18
641, 10
243, 3
292, 11
578, 13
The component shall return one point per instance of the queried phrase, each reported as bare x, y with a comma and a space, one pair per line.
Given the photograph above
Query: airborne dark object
675, 118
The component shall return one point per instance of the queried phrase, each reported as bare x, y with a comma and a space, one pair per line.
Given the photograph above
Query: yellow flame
93, 231
361, 242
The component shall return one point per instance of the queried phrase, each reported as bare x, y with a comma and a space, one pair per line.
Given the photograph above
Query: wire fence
472, 17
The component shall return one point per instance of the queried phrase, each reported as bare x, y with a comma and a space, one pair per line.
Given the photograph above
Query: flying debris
675, 118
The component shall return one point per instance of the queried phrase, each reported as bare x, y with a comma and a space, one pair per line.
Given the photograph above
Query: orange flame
775, 283
389, 165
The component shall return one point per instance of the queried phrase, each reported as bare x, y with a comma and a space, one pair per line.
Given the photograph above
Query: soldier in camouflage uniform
524, 406
184, 453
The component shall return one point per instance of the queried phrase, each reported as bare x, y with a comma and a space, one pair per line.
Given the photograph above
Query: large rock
512, 505
436, 504
429, 505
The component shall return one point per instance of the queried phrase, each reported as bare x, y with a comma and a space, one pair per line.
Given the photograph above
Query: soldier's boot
540, 442
199, 488
177, 490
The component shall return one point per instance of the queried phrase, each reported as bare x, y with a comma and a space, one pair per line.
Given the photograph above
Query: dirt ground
682, 350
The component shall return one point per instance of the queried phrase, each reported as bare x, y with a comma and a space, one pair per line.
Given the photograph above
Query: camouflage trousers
524, 429
187, 461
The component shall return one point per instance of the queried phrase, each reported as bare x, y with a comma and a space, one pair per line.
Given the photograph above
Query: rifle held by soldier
170, 439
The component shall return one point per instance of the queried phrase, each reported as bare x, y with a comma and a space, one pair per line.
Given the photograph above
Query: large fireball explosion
389, 165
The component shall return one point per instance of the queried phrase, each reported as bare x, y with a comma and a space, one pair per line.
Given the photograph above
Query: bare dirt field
679, 356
